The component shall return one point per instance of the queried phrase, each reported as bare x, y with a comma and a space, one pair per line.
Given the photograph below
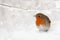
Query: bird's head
39, 15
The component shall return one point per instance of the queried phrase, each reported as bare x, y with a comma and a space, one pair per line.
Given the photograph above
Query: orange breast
40, 21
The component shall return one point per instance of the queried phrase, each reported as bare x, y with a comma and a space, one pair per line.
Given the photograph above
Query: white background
17, 21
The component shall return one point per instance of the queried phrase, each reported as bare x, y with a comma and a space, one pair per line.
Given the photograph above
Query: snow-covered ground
17, 21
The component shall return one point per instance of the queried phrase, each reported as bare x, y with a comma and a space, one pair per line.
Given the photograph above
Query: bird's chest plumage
40, 21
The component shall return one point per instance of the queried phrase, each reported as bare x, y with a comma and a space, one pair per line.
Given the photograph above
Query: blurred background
18, 15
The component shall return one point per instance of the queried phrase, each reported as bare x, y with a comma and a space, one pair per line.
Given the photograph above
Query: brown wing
48, 19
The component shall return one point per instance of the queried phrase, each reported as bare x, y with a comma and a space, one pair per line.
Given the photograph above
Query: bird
42, 22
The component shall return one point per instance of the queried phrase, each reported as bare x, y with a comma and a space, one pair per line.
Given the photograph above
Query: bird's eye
38, 16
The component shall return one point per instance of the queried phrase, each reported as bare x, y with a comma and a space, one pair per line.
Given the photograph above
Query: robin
42, 22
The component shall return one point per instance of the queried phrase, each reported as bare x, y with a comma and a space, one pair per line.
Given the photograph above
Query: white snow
17, 21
